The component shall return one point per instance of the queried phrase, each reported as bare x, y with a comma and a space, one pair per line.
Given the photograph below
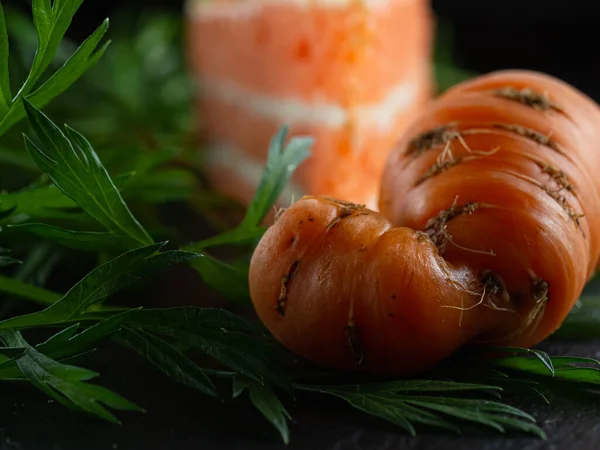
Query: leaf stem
28, 291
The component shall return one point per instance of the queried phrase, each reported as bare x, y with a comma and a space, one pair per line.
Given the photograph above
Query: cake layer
321, 51
346, 160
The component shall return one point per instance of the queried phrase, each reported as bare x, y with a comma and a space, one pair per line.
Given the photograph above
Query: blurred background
550, 36
139, 99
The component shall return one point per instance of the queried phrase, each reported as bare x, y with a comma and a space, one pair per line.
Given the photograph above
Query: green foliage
64, 383
73, 166
51, 21
265, 400
65, 196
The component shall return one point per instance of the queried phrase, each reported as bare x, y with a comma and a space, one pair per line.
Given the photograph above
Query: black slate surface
180, 419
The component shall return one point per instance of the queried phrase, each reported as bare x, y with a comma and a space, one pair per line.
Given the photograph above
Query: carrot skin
488, 230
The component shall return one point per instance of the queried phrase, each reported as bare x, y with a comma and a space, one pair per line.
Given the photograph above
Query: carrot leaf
13, 286
399, 403
82, 240
72, 164
230, 281
167, 358
219, 334
5, 95
99, 284
65, 383
265, 400
282, 161
566, 368
51, 20
7, 260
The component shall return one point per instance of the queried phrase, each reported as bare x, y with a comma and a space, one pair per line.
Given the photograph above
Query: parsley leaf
83, 240
68, 342
99, 284
219, 334
265, 400
5, 95
167, 359
282, 160
74, 167
7, 260
64, 383
51, 21
230, 281
395, 403
21, 289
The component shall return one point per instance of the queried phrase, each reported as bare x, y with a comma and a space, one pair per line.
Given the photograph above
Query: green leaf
401, 386
5, 95
564, 368
282, 160
10, 353
161, 186
101, 283
540, 355
59, 339
7, 212
21, 289
265, 400
85, 57
192, 317
65, 383
39, 264
482, 412
237, 236
38, 202
17, 158
167, 359
68, 343
74, 167
228, 280
389, 401
397, 413
80, 62
51, 23
82, 240
8, 261
219, 334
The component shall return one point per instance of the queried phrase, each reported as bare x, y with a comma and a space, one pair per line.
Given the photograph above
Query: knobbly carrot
488, 230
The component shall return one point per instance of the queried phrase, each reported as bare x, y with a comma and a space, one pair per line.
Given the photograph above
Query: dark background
559, 38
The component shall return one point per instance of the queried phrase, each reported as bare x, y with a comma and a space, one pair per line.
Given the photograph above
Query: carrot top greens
88, 195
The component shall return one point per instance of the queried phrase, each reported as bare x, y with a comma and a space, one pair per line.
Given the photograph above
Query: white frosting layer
381, 115
249, 169
237, 9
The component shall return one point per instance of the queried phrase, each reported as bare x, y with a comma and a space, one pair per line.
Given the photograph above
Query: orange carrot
487, 233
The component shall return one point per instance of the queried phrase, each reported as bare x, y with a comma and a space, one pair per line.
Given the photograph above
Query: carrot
488, 231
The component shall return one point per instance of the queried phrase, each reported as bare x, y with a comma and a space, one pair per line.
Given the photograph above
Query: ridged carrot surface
488, 230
